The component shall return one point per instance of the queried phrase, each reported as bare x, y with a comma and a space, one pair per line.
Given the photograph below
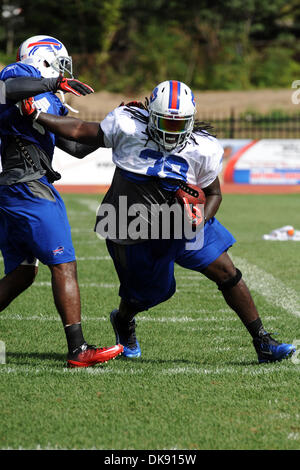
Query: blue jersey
33, 219
13, 123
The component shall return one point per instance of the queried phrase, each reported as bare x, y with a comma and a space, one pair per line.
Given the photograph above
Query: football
191, 194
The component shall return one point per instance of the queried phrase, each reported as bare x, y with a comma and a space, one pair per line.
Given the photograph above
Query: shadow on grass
56, 359
195, 363
162, 361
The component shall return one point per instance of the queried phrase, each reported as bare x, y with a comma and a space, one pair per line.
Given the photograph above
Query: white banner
269, 161
94, 169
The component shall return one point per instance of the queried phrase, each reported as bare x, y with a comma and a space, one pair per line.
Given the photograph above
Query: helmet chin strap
66, 104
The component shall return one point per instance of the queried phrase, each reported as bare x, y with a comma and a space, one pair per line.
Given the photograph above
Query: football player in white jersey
158, 147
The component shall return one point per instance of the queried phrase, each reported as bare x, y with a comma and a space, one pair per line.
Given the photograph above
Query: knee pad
30, 262
229, 283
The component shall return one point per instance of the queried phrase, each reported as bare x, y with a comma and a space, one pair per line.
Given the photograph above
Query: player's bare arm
71, 128
68, 127
213, 199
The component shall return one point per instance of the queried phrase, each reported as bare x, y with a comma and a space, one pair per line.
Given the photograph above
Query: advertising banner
265, 162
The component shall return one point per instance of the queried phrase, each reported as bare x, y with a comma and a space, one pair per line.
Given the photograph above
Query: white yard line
86, 258
91, 204
192, 371
89, 242
197, 278
98, 285
271, 288
147, 319
93, 258
76, 214
82, 230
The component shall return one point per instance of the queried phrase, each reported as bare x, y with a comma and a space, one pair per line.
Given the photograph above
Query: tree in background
129, 45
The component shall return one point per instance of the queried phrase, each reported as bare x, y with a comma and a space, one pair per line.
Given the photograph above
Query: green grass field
197, 385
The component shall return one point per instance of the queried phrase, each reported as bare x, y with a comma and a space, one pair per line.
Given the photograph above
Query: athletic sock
74, 336
256, 328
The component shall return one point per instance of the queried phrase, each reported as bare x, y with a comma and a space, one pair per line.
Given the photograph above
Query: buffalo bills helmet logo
47, 43
153, 95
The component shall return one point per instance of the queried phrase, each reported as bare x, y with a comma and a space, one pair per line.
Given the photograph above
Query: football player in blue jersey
158, 147
33, 219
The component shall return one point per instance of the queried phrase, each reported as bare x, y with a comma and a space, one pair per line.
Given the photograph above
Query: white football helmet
171, 114
46, 54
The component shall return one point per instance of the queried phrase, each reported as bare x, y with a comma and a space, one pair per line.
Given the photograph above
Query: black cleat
270, 350
125, 335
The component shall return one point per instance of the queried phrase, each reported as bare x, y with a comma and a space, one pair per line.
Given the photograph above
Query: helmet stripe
174, 94
44, 43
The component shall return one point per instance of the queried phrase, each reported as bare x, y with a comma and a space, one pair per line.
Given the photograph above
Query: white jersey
199, 162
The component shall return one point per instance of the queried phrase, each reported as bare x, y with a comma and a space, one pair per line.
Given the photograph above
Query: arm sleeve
18, 88
75, 148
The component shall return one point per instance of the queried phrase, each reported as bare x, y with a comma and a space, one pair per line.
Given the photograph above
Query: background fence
247, 125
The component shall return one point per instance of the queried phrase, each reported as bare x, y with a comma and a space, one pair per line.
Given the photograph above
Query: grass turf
197, 385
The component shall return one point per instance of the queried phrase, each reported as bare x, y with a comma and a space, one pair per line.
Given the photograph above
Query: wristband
36, 114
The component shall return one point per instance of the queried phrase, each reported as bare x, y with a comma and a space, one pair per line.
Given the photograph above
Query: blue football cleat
269, 350
125, 335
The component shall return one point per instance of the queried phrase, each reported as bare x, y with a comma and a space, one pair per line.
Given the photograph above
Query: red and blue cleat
87, 355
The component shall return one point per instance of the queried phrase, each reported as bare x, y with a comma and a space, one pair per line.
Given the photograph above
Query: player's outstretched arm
89, 133
19, 88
